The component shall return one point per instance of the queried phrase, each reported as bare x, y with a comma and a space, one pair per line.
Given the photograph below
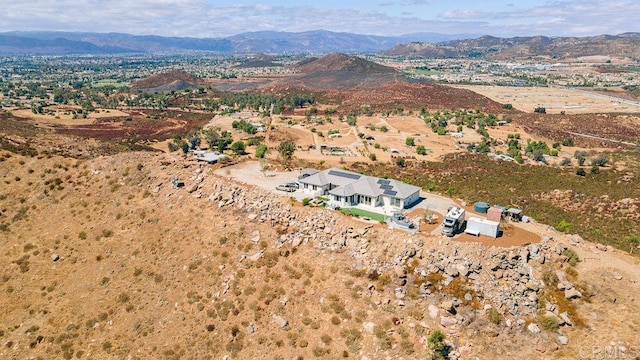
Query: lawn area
108, 82
363, 213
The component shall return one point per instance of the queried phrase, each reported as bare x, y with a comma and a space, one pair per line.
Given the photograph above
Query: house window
364, 199
315, 188
395, 202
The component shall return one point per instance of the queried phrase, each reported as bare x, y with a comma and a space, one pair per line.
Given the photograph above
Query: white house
345, 189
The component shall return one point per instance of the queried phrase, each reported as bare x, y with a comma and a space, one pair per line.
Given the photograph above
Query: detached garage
478, 226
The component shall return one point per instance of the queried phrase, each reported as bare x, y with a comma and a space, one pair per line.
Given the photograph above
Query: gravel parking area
248, 172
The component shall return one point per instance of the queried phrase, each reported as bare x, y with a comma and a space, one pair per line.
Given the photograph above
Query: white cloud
200, 18
465, 15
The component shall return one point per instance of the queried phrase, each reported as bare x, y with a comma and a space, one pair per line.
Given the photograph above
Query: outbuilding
479, 226
514, 214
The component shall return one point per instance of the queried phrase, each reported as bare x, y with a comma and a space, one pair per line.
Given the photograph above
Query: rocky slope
106, 258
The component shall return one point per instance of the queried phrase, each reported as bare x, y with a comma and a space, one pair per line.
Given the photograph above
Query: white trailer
453, 221
479, 226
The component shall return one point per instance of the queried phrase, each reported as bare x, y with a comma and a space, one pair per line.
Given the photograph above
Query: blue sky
216, 18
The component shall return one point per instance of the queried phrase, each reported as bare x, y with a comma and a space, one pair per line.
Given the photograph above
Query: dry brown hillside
175, 77
104, 258
342, 62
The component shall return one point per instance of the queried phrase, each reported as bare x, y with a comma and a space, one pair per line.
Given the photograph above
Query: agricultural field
556, 100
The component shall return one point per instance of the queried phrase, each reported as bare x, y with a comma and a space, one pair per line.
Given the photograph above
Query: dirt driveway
248, 172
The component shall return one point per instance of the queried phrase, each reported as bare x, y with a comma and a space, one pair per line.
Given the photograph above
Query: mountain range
320, 41
427, 45
494, 48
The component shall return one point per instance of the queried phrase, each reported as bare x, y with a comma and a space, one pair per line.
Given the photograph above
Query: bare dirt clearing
555, 100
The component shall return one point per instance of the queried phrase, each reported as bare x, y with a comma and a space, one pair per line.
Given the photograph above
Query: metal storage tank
481, 207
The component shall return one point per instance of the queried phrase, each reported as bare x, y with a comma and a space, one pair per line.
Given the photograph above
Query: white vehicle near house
453, 221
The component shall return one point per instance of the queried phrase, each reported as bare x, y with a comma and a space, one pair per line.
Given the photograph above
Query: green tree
185, 147
211, 136
421, 150
410, 141
194, 142
286, 150
437, 345
384, 129
261, 151
238, 147
36, 107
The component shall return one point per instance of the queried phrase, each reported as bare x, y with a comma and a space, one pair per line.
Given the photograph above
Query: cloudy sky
217, 18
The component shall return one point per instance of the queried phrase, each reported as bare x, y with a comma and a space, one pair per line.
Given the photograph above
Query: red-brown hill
343, 63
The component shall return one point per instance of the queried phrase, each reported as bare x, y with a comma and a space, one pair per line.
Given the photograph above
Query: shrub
507, 106
564, 226
319, 351
261, 151
306, 201
572, 256
600, 161
595, 170
436, 343
581, 156
548, 323
567, 142
407, 347
400, 162
633, 240
373, 157
540, 110
238, 147
581, 172
421, 150
565, 162
494, 316
383, 128
410, 141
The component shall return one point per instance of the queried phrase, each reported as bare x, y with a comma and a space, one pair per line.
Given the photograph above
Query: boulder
451, 271
563, 340
447, 321
433, 311
572, 293
533, 328
400, 272
565, 317
462, 269
369, 327
279, 321
617, 276
448, 306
